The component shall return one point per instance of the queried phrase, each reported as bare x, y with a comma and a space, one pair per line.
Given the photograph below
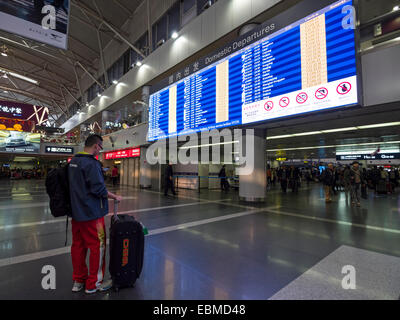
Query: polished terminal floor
212, 246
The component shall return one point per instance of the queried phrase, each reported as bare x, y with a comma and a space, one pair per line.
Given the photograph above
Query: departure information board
305, 67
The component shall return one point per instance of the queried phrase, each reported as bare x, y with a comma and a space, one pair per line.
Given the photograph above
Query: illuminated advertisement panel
121, 154
273, 72
23, 111
19, 142
45, 21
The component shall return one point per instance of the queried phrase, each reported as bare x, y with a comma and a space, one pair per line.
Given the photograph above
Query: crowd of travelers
352, 179
21, 174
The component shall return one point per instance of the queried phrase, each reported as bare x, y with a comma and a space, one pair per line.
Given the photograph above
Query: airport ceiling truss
58, 73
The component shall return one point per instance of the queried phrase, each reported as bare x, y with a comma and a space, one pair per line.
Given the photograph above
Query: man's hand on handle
114, 196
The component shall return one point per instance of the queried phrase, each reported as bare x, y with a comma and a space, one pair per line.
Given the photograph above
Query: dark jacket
168, 172
328, 177
353, 174
283, 174
87, 188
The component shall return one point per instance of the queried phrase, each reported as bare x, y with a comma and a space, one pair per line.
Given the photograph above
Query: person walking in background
283, 176
328, 178
294, 179
224, 182
114, 175
347, 182
169, 179
375, 177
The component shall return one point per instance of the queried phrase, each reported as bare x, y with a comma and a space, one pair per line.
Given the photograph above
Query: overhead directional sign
61, 150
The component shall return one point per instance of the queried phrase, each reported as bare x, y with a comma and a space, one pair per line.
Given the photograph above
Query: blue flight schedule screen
305, 67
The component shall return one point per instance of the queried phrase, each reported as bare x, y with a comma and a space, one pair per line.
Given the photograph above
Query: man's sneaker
106, 285
77, 286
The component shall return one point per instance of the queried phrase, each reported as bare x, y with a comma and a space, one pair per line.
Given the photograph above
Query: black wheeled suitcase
126, 250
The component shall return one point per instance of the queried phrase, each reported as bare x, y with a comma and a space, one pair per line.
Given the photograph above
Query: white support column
253, 187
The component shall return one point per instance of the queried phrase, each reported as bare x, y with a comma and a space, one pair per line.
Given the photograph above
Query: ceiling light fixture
19, 76
371, 126
115, 81
174, 35
336, 146
396, 8
139, 63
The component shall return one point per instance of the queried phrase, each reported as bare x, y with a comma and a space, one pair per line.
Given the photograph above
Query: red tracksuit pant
88, 235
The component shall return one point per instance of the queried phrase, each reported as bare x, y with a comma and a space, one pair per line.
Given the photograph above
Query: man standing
283, 175
357, 179
89, 206
224, 182
328, 178
169, 179
347, 181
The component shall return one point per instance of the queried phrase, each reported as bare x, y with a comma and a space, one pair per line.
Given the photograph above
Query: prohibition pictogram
269, 106
302, 97
284, 102
344, 88
321, 93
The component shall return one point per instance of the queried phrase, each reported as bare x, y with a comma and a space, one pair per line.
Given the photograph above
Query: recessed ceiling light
174, 35
4, 54
396, 8
115, 81
139, 63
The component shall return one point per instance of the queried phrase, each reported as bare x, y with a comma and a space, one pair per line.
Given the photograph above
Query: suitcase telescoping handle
116, 209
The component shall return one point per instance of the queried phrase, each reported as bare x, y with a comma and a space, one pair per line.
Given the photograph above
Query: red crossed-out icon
321, 93
302, 97
269, 105
284, 102
344, 88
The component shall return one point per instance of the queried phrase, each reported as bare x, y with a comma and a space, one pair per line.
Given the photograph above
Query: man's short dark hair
92, 140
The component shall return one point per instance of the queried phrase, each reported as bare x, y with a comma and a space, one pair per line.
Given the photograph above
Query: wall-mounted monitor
274, 71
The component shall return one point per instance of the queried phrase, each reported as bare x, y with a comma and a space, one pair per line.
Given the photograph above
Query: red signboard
121, 154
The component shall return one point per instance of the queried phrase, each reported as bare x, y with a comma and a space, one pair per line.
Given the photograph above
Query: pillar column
253, 187
145, 170
146, 100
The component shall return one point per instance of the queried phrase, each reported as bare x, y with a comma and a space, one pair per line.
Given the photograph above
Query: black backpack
57, 187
